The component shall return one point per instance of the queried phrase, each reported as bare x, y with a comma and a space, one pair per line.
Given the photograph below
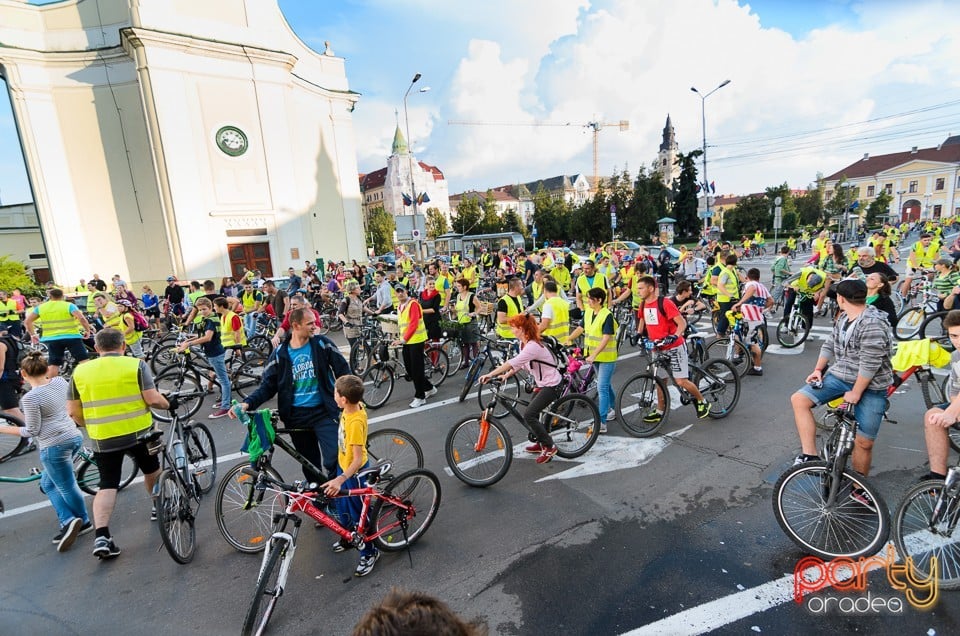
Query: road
674, 536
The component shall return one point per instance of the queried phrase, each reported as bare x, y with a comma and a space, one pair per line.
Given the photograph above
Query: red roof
947, 152
437, 175
373, 179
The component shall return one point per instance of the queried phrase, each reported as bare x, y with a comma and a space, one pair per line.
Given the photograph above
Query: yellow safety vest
469, 274
229, 337
635, 298
801, 283
599, 281
463, 310
56, 319
110, 395
537, 290
135, 335
560, 323
8, 311
924, 257
393, 297
403, 320
729, 289
455, 260
439, 286
249, 301
547, 263
593, 334
561, 274
514, 307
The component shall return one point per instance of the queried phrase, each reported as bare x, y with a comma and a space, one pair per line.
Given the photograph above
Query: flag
713, 187
422, 198
854, 205
406, 199
698, 189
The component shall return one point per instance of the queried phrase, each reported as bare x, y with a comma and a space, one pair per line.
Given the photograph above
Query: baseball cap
170, 279
854, 290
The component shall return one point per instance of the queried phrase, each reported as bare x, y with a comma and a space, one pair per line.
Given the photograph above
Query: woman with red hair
539, 361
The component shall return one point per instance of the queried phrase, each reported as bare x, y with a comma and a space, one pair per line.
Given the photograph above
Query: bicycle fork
947, 506
484, 432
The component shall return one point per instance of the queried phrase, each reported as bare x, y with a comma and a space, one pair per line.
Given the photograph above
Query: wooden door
254, 256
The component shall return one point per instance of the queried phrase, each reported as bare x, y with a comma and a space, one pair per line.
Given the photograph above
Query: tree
648, 203
14, 275
490, 221
467, 216
590, 222
879, 208
809, 207
512, 222
436, 223
551, 216
684, 208
840, 201
380, 228
751, 213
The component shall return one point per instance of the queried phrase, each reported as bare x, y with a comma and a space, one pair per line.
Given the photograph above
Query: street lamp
900, 194
413, 187
703, 115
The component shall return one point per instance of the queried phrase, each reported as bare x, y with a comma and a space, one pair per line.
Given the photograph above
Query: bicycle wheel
933, 395
175, 518
573, 422
847, 528
474, 371
451, 347
88, 474
260, 344
639, 400
400, 526
916, 539
435, 366
269, 590
164, 355
11, 445
201, 454
399, 447
909, 322
246, 378
738, 355
932, 328
244, 514
719, 384
478, 452
898, 302
360, 354
509, 391
792, 335
377, 385
173, 379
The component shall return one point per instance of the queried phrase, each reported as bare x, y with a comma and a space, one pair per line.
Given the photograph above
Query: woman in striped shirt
945, 283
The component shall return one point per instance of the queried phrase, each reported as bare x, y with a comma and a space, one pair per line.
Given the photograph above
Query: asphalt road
671, 535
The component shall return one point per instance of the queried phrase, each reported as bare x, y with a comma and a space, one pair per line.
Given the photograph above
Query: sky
814, 84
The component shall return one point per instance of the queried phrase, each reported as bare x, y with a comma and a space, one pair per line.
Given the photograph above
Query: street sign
534, 232
704, 214
613, 220
415, 234
777, 217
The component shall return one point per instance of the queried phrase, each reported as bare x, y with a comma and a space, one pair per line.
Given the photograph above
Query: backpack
139, 321
15, 354
660, 310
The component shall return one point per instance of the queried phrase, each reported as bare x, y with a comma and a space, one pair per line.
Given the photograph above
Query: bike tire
909, 322
360, 355
473, 372
716, 378
933, 395
10, 445
790, 338
419, 489
268, 585
164, 355
378, 384
932, 328
637, 399
201, 454
573, 421
399, 447
246, 378
454, 353
245, 515
509, 390
173, 379
175, 518
475, 464
436, 366
260, 344
798, 498
742, 359
88, 474
914, 538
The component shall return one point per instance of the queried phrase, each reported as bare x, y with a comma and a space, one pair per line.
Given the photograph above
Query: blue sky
814, 84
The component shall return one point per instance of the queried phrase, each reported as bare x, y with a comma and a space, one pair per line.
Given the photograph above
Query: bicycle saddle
374, 473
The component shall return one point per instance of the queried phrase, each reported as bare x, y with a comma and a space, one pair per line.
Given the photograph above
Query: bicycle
824, 507
381, 377
244, 518
646, 392
794, 329
911, 320
735, 347
396, 513
190, 369
479, 449
491, 355
189, 465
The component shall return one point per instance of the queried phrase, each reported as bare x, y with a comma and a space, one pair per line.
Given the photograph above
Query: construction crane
595, 126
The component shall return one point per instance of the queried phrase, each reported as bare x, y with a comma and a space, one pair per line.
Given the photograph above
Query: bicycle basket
260, 435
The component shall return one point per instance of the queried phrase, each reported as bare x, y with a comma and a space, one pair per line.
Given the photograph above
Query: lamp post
900, 205
703, 116
926, 206
413, 186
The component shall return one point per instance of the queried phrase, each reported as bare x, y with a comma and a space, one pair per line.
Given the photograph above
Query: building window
937, 210
829, 194
888, 187
939, 184
871, 191
913, 187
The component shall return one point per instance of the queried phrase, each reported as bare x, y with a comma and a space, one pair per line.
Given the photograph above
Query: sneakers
366, 564
861, 497
153, 512
29, 448
218, 413
84, 529
755, 371
703, 410
653, 417
603, 427
69, 534
547, 454
417, 403
342, 546
534, 449
105, 548
611, 415
803, 459
430, 393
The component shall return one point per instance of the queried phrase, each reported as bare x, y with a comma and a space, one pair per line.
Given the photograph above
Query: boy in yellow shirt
351, 459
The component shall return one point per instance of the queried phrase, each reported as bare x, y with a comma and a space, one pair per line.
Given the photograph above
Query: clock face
231, 141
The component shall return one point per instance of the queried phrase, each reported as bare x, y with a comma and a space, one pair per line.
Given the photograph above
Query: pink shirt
531, 357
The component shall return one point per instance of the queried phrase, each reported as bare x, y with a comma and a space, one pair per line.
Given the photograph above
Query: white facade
400, 165
180, 137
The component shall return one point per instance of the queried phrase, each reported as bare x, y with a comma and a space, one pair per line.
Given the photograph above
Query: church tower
667, 157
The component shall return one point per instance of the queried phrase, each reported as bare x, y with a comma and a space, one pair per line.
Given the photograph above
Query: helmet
814, 279
123, 302
170, 279
626, 258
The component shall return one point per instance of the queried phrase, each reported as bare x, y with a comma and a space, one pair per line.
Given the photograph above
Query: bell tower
667, 157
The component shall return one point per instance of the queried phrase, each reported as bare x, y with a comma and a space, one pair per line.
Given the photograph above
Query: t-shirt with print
306, 388
953, 386
660, 325
352, 432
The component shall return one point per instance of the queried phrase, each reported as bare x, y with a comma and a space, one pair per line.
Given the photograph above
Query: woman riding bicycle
536, 358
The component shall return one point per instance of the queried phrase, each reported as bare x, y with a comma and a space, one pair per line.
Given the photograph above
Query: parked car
622, 248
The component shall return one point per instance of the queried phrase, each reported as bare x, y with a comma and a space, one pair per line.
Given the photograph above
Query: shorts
152, 312
178, 309
56, 349
10, 394
752, 328
679, 361
868, 411
111, 464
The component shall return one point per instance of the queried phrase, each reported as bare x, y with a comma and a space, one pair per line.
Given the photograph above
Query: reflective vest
536, 289
463, 310
229, 337
514, 307
706, 286
469, 274
444, 289
560, 323
923, 258
406, 264
194, 295
486, 260
249, 301
134, 335
583, 285
801, 283
561, 274
56, 319
403, 321
635, 298
728, 286
593, 334
792, 243
455, 260
393, 298
547, 263
110, 395
8, 311
111, 317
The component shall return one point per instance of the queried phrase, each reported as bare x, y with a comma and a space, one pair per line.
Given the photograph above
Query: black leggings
413, 362
531, 415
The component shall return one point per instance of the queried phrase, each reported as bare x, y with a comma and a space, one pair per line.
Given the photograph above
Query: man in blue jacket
301, 373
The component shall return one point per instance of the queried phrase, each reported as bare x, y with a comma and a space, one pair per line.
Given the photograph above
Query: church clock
232, 141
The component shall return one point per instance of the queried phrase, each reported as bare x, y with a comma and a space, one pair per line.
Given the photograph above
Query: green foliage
789, 222
648, 202
380, 228
840, 201
13, 275
751, 213
684, 208
466, 217
513, 223
490, 221
809, 207
551, 216
590, 221
879, 208
436, 223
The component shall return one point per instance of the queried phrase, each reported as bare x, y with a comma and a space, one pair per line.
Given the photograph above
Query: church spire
669, 141
399, 143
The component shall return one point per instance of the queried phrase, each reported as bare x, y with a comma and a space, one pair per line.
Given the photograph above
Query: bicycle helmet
125, 303
814, 279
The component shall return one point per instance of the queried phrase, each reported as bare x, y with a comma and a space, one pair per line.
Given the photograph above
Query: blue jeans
219, 366
59, 482
868, 411
350, 508
250, 323
605, 387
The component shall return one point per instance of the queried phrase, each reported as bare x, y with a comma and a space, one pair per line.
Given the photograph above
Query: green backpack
260, 433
